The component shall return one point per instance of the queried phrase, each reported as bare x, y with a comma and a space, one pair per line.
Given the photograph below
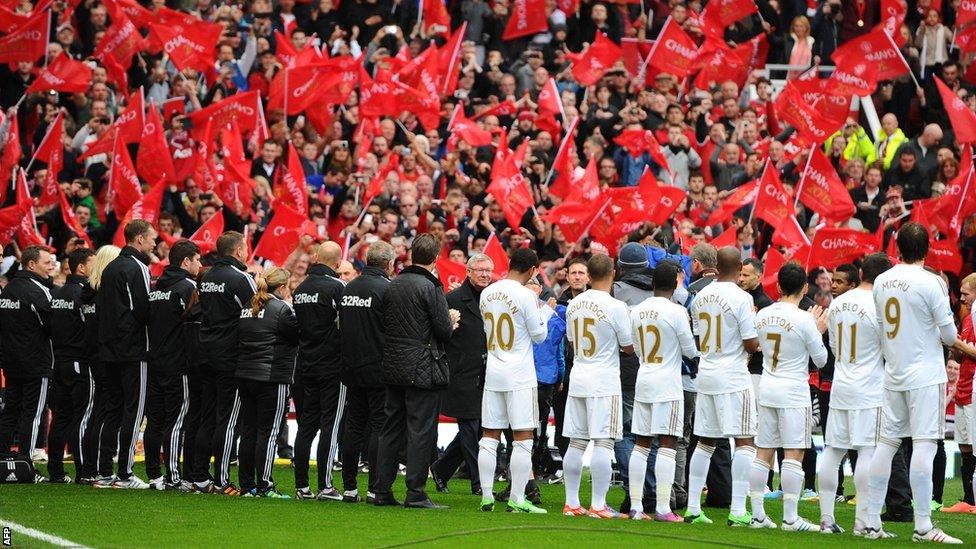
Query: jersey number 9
892, 313
502, 334
587, 334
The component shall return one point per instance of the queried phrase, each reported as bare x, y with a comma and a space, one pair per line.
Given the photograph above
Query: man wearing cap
634, 285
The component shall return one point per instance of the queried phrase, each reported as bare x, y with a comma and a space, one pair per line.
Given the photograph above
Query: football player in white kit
790, 338
915, 320
662, 335
723, 319
598, 327
854, 421
513, 322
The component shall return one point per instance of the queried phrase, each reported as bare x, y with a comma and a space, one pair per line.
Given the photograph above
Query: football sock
968, 474
829, 462
487, 460
757, 487
791, 475
920, 477
637, 470
521, 468
601, 470
880, 472
862, 483
697, 473
573, 470
741, 465
664, 475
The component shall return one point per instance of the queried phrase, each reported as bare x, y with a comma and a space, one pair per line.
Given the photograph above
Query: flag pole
286, 97
902, 57
803, 175
566, 138
46, 135
752, 212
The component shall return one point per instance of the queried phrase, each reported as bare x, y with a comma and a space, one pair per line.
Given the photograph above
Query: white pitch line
42, 536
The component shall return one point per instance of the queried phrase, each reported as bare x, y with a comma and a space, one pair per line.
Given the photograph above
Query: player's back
597, 326
855, 339
512, 322
789, 339
912, 304
662, 334
722, 316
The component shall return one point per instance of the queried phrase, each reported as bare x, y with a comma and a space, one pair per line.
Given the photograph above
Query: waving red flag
526, 17
281, 236
721, 63
590, 66
587, 188
770, 279
807, 120
494, 250
832, 247
27, 42
70, 221
63, 75
449, 56
562, 168
505, 108
120, 42
727, 12
10, 19
51, 152
27, 229
284, 50
893, 14
123, 181
853, 78
206, 235
293, 190
549, 100
572, 218
965, 13
468, 130
944, 255
449, 272
146, 208
191, 46
822, 191
138, 14
154, 159
242, 107
131, 121
436, 20
375, 186
875, 47
773, 205
639, 141
674, 51
962, 118
743, 195
511, 191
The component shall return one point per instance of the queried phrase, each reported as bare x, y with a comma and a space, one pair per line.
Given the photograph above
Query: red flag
298, 87
590, 66
375, 186
505, 108
790, 235
587, 189
376, 95
63, 75
28, 42
10, 19
242, 107
189, 46
51, 152
53, 140
721, 63
965, 38
638, 141
634, 52
27, 229
965, 13
146, 208
123, 181
853, 78
770, 278
281, 236
727, 12
284, 50
138, 14
944, 254
435, 17
875, 47
120, 42
572, 218
11, 154
549, 100
674, 51
808, 122
893, 14
726, 238
526, 17
773, 205
962, 118
822, 191
511, 192
131, 121
494, 250
449, 56
206, 235
70, 221
832, 247
154, 159
567, 6
468, 130
294, 192
562, 164
449, 272
743, 195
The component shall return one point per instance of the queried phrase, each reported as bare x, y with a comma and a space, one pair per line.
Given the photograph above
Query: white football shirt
855, 340
723, 316
789, 339
512, 323
662, 334
597, 326
912, 305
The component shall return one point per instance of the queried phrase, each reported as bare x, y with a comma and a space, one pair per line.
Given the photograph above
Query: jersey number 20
501, 334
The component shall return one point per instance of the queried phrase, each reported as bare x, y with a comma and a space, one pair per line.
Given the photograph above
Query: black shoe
504, 494
533, 495
439, 483
385, 501
894, 517
423, 504
286, 453
625, 505
476, 491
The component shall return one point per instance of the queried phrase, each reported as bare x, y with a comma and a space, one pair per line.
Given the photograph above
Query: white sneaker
871, 533
758, 524
131, 483
800, 525
158, 483
39, 455
104, 482
936, 535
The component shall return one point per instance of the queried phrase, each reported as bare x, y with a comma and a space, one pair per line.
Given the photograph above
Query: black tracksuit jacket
123, 308
168, 341
224, 291
316, 301
268, 343
361, 328
68, 321
25, 326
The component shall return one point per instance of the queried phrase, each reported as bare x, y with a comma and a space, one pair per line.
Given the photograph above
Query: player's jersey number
583, 330
710, 322
501, 335
892, 315
649, 352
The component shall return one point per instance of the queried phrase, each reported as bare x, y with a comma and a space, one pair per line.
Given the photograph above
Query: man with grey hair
466, 352
361, 342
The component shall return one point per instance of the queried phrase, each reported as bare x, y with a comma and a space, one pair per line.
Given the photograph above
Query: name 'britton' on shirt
777, 321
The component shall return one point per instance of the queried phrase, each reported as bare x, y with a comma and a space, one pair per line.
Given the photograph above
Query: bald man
926, 147
316, 302
890, 139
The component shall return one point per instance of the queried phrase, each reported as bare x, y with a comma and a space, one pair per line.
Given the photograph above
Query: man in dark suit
466, 355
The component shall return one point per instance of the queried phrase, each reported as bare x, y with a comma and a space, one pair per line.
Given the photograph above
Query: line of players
887, 337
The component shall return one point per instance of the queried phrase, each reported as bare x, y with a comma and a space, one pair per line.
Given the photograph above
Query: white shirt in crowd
855, 339
723, 316
789, 339
597, 326
512, 324
662, 334
912, 305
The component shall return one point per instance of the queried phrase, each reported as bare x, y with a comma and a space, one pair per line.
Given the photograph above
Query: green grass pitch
116, 518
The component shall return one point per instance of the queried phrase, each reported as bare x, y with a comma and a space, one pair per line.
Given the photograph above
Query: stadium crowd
213, 208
